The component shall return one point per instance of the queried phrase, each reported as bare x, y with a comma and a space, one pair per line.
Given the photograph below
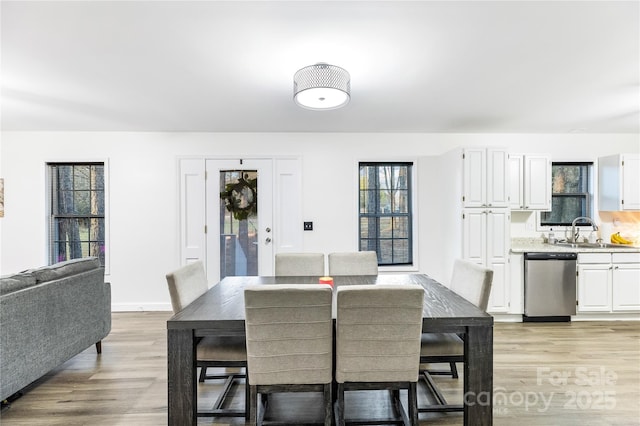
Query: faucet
575, 233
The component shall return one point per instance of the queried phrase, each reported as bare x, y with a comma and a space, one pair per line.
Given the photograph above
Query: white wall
143, 199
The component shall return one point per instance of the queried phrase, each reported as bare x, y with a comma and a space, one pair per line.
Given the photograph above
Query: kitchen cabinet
485, 177
608, 282
530, 182
516, 288
625, 282
473, 219
486, 241
619, 182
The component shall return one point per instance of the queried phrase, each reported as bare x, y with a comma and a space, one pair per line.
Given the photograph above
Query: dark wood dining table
220, 311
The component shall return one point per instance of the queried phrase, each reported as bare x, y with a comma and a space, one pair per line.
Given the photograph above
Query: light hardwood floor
579, 373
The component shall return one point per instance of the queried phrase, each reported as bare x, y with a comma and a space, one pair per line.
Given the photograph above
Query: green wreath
241, 198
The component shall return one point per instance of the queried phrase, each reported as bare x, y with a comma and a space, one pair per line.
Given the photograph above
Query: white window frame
107, 191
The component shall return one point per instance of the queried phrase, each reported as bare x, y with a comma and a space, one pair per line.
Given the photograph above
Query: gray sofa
47, 316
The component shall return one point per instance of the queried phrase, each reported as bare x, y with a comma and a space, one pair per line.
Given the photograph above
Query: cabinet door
537, 182
474, 177
474, 235
498, 235
594, 288
499, 297
631, 182
625, 282
497, 177
516, 286
516, 181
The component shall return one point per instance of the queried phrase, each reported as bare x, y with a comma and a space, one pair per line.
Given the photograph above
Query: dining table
220, 311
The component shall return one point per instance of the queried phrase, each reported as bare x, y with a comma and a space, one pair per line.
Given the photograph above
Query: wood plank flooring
579, 373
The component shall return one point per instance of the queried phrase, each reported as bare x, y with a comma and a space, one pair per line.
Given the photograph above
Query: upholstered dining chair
185, 285
378, 330
299, 264
353, 263
289, 331
473, 282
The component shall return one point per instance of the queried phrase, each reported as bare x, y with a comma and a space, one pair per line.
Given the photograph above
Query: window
385, 212
571, 194
77, 221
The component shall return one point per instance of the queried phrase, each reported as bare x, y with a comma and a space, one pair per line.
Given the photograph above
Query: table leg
181, 377
478, 376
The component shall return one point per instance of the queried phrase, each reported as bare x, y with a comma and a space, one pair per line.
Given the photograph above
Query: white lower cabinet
608, 282
486, 242
625, 282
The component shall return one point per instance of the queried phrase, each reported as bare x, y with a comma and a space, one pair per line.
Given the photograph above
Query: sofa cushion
16, 282
65, 269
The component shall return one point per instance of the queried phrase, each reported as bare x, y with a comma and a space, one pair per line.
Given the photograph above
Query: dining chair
299, 264
472, 282
289, 333
353, 263
185, 285
378, 330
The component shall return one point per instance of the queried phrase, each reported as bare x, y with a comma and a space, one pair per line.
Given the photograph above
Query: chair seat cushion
441, 344
222, 348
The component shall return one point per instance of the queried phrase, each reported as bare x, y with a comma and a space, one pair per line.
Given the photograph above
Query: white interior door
239, 212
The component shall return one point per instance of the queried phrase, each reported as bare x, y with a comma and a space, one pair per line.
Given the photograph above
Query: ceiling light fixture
321, 87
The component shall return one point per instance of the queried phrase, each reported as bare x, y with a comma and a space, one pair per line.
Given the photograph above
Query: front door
239, 217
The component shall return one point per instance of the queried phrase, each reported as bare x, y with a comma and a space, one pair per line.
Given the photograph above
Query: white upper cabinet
619, 182
530, 182
486, 179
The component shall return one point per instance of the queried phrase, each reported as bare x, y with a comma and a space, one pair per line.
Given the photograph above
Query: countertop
524, 245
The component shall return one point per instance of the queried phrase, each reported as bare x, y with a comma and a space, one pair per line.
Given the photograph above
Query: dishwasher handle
551, 256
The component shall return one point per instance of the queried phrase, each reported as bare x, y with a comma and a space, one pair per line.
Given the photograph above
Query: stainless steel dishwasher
549, 286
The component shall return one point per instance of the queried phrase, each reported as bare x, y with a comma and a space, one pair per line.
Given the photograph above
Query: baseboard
140, 307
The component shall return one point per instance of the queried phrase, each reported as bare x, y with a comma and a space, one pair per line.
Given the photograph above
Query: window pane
385, 211
386, 229
81, 203
97, 177
77, 225
385, 201
81, 177
571, 194
400, 251
569, 178
564, 210
401, 227
385, 254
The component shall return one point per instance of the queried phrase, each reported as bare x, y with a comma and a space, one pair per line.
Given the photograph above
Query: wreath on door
241, 198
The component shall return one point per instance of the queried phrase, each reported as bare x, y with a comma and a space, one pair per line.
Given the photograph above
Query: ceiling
415, 66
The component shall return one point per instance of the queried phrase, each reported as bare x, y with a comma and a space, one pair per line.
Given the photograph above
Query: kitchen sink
595, 245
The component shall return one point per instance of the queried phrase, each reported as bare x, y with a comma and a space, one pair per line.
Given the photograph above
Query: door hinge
463, 198
205, 175
463, 156
205, 229
576, 303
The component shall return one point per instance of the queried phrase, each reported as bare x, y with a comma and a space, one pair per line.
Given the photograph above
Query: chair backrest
472, 281
186, 284
299, 264
353, 263
289, 334
378, 329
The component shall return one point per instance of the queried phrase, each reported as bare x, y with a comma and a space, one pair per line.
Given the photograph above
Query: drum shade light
321, 87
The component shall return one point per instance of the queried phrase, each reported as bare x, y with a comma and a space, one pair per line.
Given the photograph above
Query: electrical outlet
308, 226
